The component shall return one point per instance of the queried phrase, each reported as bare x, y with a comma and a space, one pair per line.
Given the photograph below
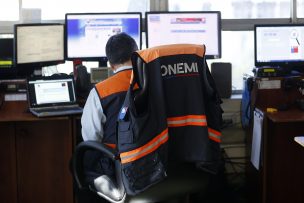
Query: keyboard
56, 111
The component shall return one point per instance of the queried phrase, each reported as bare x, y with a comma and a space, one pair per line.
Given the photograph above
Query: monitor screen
279, 45
88, 33
38, 45
6, 52
7, 69
185, 27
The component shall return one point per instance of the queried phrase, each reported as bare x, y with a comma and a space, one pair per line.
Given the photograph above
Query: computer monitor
38, 45
7, 70
185, 27
88, 33
279, 45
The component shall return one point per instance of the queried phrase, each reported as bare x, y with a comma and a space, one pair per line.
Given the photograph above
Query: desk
282, 168
34, 156
280, 178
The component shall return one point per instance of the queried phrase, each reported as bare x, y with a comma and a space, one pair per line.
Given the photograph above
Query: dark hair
119, 48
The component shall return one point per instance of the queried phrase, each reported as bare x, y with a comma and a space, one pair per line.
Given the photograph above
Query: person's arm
93, 118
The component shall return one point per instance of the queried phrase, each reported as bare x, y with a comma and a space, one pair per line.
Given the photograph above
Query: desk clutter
280, 93
46, 96
13, 90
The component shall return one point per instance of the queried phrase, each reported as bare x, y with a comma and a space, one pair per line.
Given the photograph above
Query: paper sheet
256, 138
300, 140
269, 84
15, 97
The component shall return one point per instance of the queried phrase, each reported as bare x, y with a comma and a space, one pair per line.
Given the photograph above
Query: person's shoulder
119, 82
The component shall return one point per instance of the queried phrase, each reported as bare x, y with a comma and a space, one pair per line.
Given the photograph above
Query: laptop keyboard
55, 109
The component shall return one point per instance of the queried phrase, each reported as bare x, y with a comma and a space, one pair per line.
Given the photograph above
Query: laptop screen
51, 92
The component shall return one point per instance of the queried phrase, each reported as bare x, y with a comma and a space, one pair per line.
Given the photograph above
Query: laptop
52, 96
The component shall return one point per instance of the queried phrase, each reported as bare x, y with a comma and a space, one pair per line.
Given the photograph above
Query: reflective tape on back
214, 135
198, 120
146, 149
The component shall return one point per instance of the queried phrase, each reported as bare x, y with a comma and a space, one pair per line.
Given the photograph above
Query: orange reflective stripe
117, 83
151, 146
198, 120
214, 135
153, 53
113, 146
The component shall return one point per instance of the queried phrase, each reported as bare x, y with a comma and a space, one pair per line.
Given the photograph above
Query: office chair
160, 156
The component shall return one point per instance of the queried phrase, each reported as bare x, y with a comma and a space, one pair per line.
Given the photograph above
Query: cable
1, 100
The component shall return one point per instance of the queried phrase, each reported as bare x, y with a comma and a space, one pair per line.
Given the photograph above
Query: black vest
112, 93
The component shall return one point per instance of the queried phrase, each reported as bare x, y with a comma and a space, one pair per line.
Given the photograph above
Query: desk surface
292, 115
282, 158
18, 111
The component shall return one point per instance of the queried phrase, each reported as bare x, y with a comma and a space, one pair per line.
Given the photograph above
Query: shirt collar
122, 68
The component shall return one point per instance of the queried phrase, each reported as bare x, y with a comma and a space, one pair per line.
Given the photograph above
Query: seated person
104, 102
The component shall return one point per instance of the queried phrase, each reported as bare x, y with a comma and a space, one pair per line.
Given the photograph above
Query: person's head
119, 49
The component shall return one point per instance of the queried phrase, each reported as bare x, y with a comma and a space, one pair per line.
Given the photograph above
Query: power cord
1, 100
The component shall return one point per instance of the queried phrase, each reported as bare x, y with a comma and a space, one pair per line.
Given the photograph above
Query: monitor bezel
26, 69
191, 12
287, 64
100, 59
